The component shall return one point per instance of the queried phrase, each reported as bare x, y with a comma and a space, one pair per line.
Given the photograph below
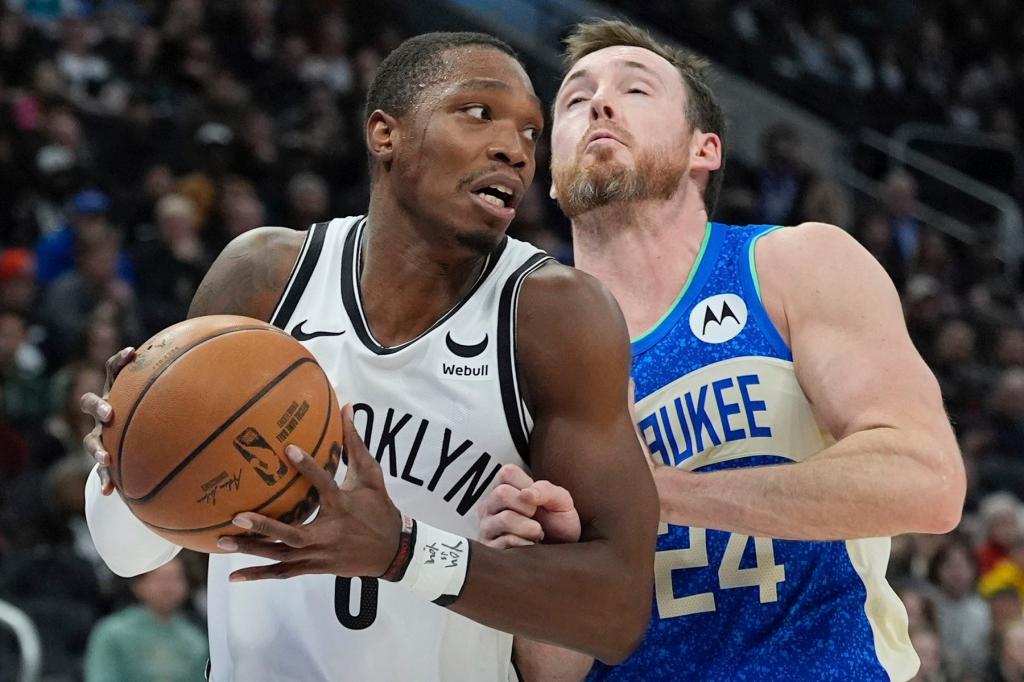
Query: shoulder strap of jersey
516, 415
305, 264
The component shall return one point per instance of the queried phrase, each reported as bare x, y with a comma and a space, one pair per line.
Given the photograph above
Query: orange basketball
201, 419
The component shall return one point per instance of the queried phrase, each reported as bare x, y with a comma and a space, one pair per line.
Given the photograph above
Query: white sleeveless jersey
442, 413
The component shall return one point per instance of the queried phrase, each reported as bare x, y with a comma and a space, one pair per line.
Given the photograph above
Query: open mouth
497, 195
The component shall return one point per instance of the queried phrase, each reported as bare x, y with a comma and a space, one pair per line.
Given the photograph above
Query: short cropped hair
401, 77
702, 110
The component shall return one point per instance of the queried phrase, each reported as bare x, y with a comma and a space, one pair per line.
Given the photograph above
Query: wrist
403, 553
430, 562
668, 481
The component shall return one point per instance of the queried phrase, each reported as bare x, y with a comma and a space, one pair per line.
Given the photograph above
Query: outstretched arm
895, 466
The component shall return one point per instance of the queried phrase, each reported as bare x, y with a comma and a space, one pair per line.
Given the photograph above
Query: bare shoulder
249, 274
811, 248
558, 297
570, 333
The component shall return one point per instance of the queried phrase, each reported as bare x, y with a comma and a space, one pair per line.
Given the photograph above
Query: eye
478, 111
575, 100
533, 134
636, 91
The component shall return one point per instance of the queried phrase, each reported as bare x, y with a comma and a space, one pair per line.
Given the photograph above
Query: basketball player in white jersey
460, 352
778, 391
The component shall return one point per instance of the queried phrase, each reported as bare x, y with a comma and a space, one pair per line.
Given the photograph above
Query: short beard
656, 176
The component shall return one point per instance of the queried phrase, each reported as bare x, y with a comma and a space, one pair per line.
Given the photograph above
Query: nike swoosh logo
301, 335
463, 350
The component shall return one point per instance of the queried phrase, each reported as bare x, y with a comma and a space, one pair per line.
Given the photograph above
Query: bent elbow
947, 495
624, 646
632, 622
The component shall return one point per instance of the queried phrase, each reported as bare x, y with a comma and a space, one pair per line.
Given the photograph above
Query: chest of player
715, 380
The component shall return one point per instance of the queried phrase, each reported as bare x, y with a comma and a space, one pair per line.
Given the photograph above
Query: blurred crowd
138, 137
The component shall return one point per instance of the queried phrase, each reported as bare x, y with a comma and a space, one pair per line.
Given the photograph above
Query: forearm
872, 483
540, 662
125, 544
584, 596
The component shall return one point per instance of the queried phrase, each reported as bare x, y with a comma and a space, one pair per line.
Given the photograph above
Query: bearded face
600, 175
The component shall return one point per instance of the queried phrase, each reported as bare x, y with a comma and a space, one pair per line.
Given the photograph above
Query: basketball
201, 419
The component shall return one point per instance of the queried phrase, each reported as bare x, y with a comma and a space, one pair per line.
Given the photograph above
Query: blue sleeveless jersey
715, 389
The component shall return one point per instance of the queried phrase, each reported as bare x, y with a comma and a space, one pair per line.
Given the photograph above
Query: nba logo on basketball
249, 443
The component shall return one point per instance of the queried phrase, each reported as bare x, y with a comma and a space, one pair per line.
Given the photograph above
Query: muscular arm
593, 596
895, 466
246, 279
249, 275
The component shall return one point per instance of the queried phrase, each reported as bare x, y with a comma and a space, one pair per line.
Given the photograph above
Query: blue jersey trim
748, 278
705, 266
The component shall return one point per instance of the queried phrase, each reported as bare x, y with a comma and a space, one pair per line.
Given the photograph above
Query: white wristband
438, 566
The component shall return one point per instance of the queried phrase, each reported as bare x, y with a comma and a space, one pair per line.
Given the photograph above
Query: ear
705, 152
381, 133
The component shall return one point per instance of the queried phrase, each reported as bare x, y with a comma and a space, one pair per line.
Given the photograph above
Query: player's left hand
355, 533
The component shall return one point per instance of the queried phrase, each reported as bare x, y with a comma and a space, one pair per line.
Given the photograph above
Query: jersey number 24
765, 575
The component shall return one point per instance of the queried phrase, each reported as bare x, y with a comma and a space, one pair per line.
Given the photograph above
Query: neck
412, 274
642, 251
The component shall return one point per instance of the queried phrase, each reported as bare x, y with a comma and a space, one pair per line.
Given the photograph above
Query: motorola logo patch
718, 318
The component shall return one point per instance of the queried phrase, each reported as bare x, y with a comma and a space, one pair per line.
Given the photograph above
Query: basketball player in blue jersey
792, 425
458, 348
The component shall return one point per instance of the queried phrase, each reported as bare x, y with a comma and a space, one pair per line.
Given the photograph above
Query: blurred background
139, 137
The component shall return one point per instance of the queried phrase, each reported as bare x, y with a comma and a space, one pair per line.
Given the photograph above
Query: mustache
615, 129
471, 179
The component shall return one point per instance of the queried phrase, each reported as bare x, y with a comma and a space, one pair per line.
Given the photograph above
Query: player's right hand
520, 511
101, 412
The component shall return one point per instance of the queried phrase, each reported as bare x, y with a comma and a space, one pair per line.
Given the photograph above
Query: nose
601, 107
508, 148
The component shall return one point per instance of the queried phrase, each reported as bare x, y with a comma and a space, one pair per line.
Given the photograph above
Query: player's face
619, 131
471, 156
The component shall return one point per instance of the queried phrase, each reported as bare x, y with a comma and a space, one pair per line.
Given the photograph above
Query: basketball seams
153, 379
332, 407
281, 376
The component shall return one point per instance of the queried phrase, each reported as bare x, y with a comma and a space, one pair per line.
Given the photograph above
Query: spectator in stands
55, 253
833, 57
964, 619
308, 200
826, 202
94, 286
1009, 666
1007, 573
926, 305
24, 390
175, 649
917, 599
67, 423
85, 72
900, 194
782, 178
19, 289
170, 267
1010, 347
876, 235
928, 646
241, 212
1000, 517
964, 380
1007, 415
1006, 608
